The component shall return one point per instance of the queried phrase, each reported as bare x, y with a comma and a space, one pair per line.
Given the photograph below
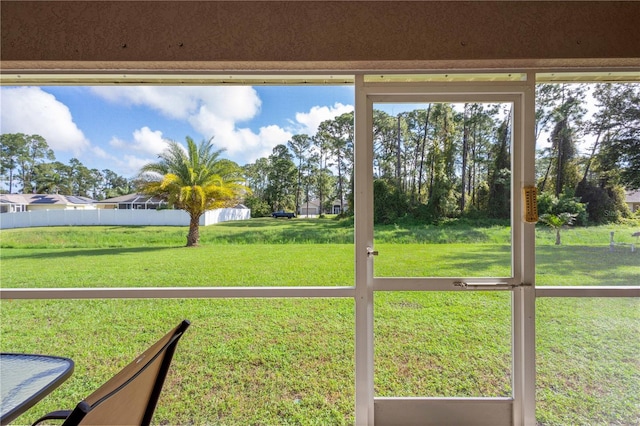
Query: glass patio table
26, 378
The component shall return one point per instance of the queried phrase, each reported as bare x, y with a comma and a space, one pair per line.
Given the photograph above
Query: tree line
431, 163
28, 165
445, 161
317, 167
590, 185
428, 163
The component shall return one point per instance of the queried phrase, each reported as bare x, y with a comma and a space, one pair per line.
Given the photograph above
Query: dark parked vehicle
282, 213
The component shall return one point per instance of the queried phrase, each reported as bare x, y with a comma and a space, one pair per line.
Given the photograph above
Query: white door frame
520, 409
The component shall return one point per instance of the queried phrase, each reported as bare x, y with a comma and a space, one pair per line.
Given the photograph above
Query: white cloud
126, 164
312, 119
100, 153
142, 149
130, 165
212, 112
237, 103
148, 141
118, 143
271, 136
32, 111
241, 144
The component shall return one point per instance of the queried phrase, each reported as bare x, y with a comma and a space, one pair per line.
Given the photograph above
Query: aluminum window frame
523, 405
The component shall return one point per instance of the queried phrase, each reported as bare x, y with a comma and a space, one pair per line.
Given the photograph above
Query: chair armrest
54, 415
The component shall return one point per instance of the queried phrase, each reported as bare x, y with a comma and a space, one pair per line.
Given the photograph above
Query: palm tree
194, 180
557, 222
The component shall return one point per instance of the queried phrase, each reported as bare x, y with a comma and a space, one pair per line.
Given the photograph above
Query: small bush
551, 205
259, 208
389, 203
604, 205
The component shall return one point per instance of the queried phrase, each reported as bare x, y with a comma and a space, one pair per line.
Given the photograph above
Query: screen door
443, 240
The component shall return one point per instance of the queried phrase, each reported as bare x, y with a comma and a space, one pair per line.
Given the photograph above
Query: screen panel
442, 344
586, 177
442, 189
587, 360
75, 206
241, 360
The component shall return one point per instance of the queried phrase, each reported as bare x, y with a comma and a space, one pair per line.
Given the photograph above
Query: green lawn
273, 362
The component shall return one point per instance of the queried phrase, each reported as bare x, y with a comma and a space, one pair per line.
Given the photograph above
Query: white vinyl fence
114, 217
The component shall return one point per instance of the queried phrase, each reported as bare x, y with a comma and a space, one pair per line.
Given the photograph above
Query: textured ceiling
256, 36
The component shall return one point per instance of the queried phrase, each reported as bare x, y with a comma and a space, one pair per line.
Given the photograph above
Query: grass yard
291, 361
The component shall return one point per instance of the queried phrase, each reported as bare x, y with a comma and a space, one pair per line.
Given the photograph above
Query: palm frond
194, 179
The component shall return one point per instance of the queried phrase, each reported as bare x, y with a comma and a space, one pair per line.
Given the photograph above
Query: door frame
520, 408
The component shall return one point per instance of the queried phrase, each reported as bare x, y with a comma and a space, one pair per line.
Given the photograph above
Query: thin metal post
363, 152
523, 300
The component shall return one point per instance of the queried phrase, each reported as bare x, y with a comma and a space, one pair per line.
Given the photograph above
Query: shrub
259, 208
389, 203
551, 205
604, 205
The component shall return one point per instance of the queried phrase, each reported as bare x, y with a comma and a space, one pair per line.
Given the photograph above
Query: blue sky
123, 127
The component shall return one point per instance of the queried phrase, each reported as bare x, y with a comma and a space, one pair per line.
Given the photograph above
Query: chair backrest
130, 397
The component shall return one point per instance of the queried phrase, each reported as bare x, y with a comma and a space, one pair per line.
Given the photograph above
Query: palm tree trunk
193, 238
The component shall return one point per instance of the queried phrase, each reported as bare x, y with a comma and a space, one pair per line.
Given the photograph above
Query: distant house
10, 203
132, 202
632, 198
337, 207
312, 208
